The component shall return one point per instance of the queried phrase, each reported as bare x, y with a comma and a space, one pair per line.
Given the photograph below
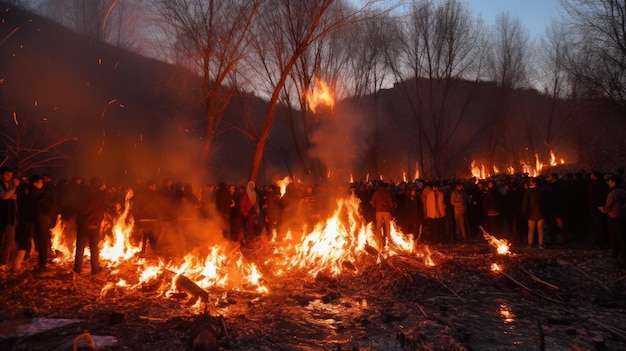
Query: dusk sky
534, 14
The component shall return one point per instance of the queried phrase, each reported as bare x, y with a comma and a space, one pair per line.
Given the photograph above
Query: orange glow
117, 247
282, 185
321, 94
417, 172
478, 171
342, 243
501, 245
495, 267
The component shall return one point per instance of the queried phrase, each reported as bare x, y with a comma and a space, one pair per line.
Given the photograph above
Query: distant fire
320, 94
534, 168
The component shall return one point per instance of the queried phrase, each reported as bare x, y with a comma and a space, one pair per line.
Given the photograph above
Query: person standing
249, 210
88, 220
615, 207
492, 205
414, 213
459, 200
597, 192
8, 214
533, 209
435, 212
383, 204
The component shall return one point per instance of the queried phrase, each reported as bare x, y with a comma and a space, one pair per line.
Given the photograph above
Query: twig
620, 279
535, 278
517, 282
615, 331
585, 274
454, 292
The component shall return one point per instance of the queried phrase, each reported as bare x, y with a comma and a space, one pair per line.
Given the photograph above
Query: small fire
495, 267
404, 178
478, 171
552, 159
502, 245
321, 94
538, 165
282, 185
417, 171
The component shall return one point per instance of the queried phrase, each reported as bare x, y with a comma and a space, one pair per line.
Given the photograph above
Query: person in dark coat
224, 203
597, 192
492, 205
533, 209
414, 213
8, 214
615, 208
88, 220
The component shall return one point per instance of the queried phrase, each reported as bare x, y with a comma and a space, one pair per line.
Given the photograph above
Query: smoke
339, 141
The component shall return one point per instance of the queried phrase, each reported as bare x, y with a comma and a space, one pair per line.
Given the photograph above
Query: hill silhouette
137, 118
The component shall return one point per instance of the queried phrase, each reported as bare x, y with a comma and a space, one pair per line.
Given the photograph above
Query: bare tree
598, 63
285, 30
439, 48
212, 37
508, 66
30, 145
110, 21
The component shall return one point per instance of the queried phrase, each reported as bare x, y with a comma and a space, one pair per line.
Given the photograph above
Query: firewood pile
552, 299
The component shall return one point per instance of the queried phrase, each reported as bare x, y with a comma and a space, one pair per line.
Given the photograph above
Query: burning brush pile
331, 287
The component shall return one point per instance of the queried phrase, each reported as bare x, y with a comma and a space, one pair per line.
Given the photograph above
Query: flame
552, 159
417, 171
538, 165
282, 185
57, 240
478, 171
341, 243
321, 94
495, 267
501, 245
118, 247
404, 178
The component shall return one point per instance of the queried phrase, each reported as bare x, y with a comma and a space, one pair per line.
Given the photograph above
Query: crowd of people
532, 211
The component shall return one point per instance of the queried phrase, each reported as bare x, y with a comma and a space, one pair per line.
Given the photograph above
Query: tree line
422, 48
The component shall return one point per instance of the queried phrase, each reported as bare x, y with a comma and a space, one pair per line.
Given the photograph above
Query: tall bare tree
111, 21
597, 31
508, 66
438, 49
285, 30
212, 37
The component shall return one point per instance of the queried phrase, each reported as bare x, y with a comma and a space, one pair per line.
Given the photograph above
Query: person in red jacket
383, 204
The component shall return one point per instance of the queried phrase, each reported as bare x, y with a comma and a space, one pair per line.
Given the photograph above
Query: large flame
342, 243
320, 94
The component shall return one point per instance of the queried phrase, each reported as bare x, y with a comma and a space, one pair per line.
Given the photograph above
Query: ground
559, 298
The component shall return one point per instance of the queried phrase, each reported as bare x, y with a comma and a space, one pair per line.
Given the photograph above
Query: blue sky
534, 14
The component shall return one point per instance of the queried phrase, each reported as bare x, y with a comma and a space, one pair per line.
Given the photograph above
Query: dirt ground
553, 299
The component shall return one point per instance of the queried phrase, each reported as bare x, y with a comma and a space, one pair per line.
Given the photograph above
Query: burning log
185, 284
